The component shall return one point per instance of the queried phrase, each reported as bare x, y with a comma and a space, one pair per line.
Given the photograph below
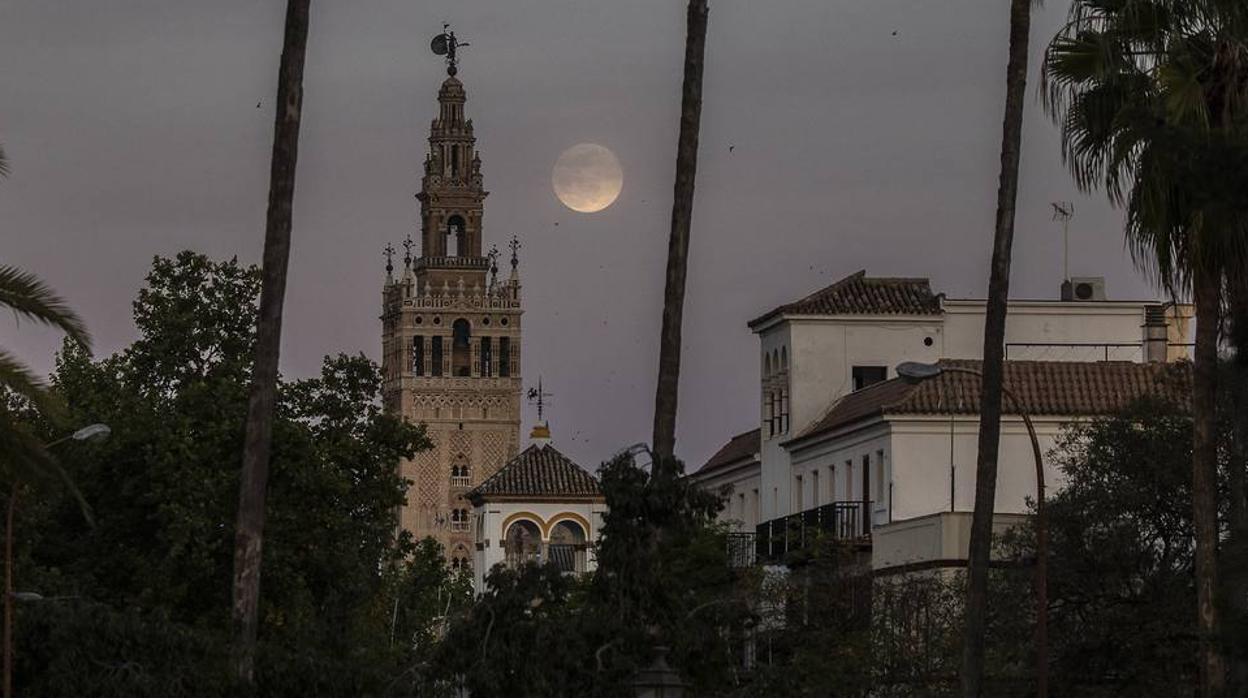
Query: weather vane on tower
515, 252
389, 253
445, 44
537, 396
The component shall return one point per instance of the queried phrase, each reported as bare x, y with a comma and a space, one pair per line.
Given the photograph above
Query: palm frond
27, 296
16, 377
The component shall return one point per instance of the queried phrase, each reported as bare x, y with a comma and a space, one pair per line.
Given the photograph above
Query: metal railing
848, 521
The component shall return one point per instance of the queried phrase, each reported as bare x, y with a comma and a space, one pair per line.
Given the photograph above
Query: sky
837, 135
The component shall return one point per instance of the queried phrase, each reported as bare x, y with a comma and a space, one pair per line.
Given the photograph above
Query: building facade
451, 337
820, 354
542, 508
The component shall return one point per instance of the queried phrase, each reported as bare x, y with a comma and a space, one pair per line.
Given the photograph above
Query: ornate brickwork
451, 336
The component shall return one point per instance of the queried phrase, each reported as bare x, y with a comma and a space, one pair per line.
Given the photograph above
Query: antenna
538, 397
445, 44
1063, 211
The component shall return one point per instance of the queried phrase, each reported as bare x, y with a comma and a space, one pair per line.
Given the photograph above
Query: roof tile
539, 470
859, 294
1062, 388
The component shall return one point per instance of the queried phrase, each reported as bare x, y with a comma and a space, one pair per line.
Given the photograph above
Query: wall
921, 464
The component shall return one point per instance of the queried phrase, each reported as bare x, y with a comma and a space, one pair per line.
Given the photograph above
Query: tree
664, 441
151, 579
994, 352
1124, 554
249, 530
25, 456
1151, 99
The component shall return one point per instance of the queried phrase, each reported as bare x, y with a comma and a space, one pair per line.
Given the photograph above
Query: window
459, 472
461, 349
504, 355
455, 228
418, 355
797, 494
435, 355
741, 507
460, 520
814, 488
487, 357
868, 375
831, 483
866, 475
849, 482
758, 514
784, 411
769, 415
879, 478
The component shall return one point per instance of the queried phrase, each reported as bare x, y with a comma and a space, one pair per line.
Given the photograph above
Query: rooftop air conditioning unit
1085, 288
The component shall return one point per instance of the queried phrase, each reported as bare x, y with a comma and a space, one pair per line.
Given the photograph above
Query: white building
539, 507
817, 351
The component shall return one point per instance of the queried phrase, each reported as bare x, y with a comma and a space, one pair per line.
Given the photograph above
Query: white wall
1049, 322
921, 472
743, 507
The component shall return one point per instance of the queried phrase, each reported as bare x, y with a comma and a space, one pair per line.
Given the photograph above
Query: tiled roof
738, 448
1062, 388
859, 294
539, 471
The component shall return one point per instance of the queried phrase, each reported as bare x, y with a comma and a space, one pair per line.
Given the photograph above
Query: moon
587, 177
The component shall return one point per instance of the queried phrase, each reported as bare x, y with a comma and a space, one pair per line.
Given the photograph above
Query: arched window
459, 471
767, 365
461, 348
455, 228
522, 543
460, 519
568, 546
784, 359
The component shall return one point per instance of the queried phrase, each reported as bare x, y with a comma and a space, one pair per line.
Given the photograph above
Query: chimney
1155, 334
540, 436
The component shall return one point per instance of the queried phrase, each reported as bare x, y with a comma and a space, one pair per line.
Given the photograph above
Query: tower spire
389, 254
445, 44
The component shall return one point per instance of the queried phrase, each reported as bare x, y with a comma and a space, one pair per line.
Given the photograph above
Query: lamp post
914, 371
94, 432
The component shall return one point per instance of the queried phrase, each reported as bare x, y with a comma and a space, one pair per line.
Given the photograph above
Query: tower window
418, 355
456, 228
435, 355
459, 472
504, 356
461, 348
487, 357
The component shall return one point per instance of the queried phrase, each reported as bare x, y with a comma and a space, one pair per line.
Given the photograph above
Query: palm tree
249, 530
678, 243
1152, 98
994, 355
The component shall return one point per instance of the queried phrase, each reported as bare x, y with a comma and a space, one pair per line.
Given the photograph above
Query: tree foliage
144, 594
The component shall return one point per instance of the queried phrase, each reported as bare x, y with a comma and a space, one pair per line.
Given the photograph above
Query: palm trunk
1207, 292
8, 593
678, 244
1236, 554
994, 353
249, 533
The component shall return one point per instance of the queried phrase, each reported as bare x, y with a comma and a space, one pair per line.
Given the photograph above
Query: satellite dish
440, 45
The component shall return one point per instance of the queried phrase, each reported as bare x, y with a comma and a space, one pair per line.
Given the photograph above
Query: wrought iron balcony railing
845, 521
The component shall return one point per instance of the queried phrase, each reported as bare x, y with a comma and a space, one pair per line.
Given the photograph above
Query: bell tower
451, 335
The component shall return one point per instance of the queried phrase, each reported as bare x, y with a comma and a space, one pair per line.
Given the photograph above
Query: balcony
841, 521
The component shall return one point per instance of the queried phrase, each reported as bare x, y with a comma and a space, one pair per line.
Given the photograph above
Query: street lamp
93, 432
659, 680
915, 372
